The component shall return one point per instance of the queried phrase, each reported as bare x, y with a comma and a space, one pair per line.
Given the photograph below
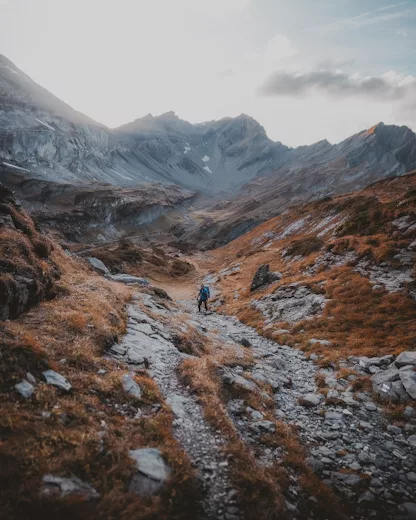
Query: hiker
203, 297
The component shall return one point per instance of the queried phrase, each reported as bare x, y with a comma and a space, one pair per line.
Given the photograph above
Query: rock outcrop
263, 276
27, 274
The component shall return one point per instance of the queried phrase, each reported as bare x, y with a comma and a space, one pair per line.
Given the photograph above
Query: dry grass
88, 431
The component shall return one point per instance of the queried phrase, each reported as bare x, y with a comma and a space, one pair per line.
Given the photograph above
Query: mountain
45, 138
310, 173
42, 137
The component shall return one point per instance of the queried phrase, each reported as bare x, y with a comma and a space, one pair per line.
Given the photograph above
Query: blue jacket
204, 293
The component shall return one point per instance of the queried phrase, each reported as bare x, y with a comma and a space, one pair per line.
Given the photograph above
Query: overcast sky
305, 69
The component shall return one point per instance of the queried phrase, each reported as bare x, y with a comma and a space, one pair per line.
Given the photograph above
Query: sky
305, 69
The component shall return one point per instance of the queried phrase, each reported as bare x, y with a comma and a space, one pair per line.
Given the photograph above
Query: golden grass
88, 431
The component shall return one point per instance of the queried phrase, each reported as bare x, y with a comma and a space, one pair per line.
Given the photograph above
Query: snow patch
205, 158
122, 176
207, 169
14, 166
45, 124
11, 70
187, 148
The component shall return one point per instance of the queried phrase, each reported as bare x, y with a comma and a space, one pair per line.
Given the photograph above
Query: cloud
369, 18
389, 86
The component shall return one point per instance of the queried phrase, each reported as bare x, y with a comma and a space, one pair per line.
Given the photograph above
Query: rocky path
149, 341
350, 444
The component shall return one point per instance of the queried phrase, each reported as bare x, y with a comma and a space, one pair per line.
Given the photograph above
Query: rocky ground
351, 445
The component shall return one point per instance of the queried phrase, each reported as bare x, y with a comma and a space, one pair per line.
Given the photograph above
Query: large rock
263, 276
406, 358
128, 279
25, 389
131, 387
291, 303
239, 382
394, 384
310, 400
64, 487
408, 379
152, 471
97, 264
55, 379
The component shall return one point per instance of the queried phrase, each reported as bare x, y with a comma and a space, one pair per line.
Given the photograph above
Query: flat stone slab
152, 473
131, 387
55, 379
64, 487
25, 389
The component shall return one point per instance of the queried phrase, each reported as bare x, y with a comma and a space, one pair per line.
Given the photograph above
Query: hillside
355, 254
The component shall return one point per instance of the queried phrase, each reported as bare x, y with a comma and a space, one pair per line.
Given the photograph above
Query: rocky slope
27, 273
310, 173
42, 137
94, 213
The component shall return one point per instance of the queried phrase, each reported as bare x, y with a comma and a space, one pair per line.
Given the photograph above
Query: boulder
310, 400
25, 389
245, 342
406, 358
128, 279
152, 471
408, 379
263, 276
55, 379
98, 265
63, 487
238, 381
131, 387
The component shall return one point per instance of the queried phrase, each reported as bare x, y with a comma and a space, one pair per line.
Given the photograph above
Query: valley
292, 397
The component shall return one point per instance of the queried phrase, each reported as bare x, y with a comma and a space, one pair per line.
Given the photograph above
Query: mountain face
311, 173
45, 138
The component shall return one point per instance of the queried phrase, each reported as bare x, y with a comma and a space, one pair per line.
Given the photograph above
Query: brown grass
88, 431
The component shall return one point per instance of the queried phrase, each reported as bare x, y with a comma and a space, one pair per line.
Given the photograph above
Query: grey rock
131, 387
254, 414
408, 379
371, 407
411, 476
31, 378
394, 430
98, 265
333, 416
347, 479
310, 400
25, 389
406, 358
263, 276
64, 487
412, 440
266, 426
128, 279
239, 381
314, 341
410, 509
55, 379
152, 473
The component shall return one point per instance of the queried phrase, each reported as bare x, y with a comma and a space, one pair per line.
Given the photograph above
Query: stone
412, 441
128, 279
152, 471
333, 416
394, 430
263, 276
239, 381
245, 342
371, 407
266, 426
314, 341
25, 389
101, 372
310, 400
406, 358
254, 414
410, 509
347, 479
54, 486
131, 387
411, 476
408, 379
31, 378
409, 412
98, 265
55, 379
